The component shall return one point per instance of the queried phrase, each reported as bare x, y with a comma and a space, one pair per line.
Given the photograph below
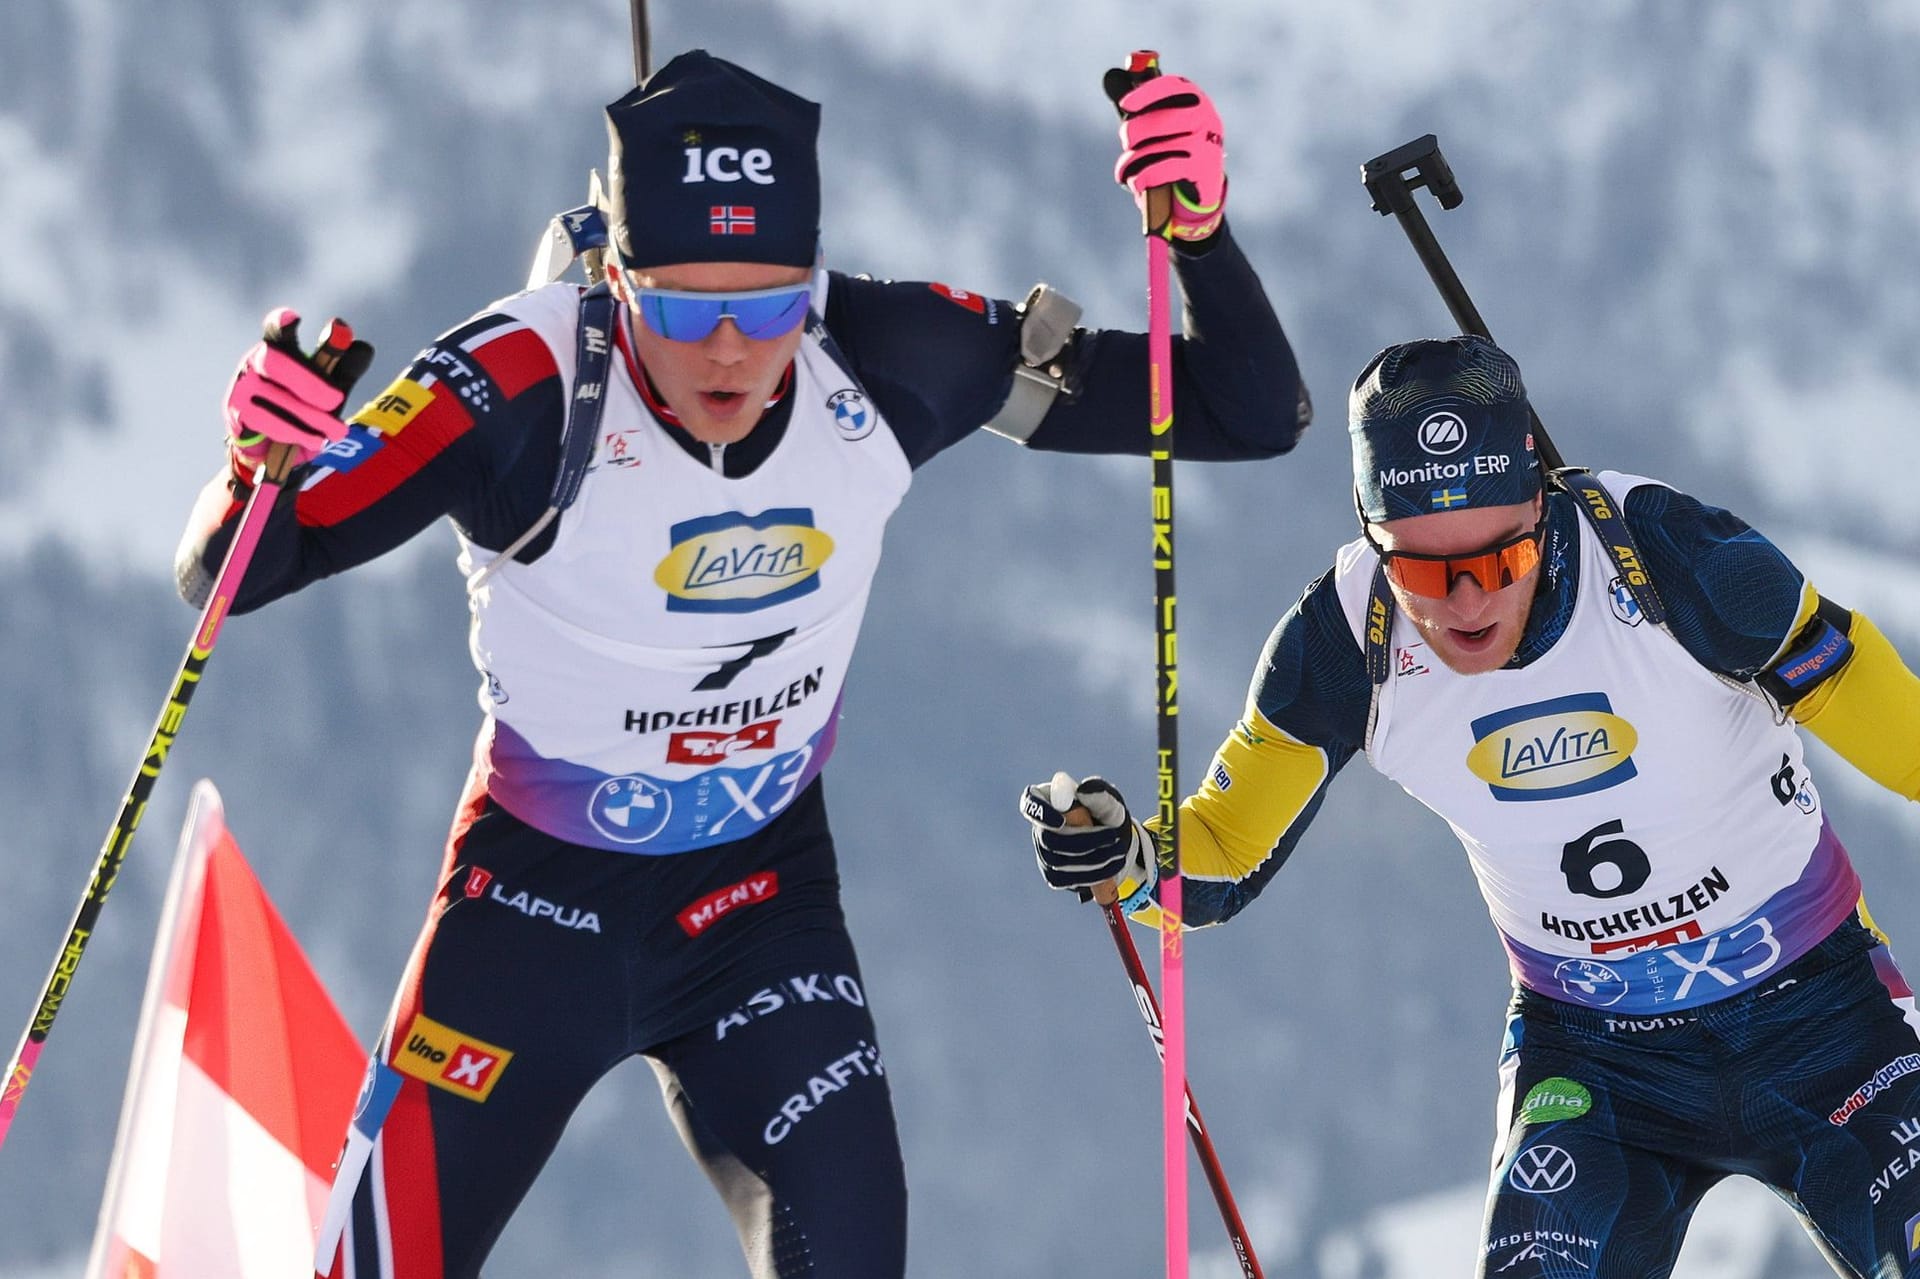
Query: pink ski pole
1143, 65
334, 343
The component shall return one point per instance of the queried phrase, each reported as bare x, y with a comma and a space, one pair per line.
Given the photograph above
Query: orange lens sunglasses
1493, 568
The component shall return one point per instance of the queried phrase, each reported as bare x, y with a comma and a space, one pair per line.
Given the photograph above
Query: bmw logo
851, 415
1590, 983
630, 810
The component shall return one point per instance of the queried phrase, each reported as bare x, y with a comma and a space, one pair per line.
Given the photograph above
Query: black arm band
1816, 655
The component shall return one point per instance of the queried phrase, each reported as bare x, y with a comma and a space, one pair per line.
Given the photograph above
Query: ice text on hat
728, 164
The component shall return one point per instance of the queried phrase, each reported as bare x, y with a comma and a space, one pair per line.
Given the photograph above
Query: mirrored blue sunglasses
760, 314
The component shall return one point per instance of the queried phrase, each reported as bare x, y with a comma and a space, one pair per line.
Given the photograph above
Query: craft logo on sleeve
736, 563
1554, 749
439, 1055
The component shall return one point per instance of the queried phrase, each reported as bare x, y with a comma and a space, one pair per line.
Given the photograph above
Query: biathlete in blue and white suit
1599, 687
641, 864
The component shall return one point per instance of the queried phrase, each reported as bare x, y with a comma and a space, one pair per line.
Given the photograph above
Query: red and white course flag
243, 1079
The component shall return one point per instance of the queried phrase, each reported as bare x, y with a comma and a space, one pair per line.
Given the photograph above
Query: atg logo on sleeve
735, 563
1554, 749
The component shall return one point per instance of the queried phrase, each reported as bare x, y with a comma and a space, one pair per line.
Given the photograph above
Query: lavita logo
737, 563
1554, 749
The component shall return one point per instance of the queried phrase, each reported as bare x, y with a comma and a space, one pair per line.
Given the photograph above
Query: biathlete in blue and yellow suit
642, 863
1599, 686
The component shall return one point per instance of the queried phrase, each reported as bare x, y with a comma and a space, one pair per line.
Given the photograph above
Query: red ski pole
1143, 998
1196, 1127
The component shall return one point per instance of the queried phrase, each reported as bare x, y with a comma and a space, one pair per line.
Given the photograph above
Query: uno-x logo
1542, 1170
443, 1057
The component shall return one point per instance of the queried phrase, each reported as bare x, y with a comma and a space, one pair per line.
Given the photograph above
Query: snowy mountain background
1692, 224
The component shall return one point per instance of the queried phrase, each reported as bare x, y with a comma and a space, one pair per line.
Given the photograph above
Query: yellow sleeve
1259, 786
1809, 605
1870, 712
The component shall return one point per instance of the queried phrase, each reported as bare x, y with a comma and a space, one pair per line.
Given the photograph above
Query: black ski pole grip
1142, 66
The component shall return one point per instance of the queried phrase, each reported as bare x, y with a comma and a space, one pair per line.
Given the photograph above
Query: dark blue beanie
710, 163
1441, 424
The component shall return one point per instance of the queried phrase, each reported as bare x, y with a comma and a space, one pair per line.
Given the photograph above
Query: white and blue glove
1084, 838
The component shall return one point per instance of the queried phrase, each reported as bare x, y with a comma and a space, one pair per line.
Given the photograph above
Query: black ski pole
642, 40
1391, 180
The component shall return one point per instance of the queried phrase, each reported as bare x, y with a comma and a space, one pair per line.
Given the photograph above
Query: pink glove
278, 397
1172, 134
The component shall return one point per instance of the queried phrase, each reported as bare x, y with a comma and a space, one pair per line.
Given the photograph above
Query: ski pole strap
1603, 512
1379, 628
593, 358
1380, 609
